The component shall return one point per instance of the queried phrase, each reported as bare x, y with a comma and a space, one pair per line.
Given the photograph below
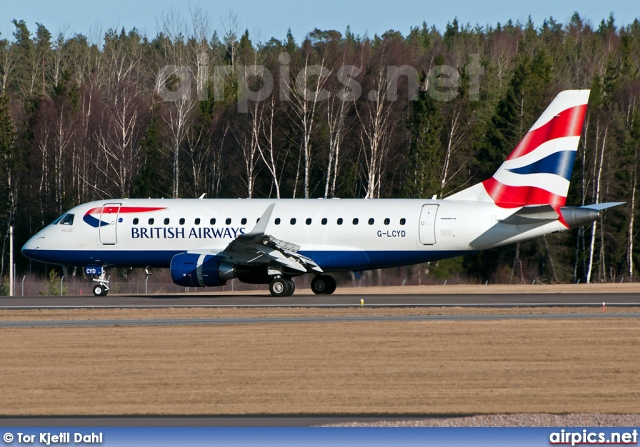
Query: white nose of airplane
33, 247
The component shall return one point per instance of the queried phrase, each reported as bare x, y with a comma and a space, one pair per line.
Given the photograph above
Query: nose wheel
323, 285
100, 290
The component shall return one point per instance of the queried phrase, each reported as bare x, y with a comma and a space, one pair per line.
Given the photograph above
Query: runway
390, 300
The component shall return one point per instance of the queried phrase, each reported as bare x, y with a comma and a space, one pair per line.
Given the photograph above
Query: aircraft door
109, 223
428, 224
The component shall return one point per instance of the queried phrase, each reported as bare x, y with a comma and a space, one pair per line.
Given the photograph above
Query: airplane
207, 242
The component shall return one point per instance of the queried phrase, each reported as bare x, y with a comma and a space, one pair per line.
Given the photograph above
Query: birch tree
597, 176
178, 110
375, 133
305, 103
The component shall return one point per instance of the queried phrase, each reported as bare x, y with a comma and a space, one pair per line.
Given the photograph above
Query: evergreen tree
290, 43
153, 180
425, 147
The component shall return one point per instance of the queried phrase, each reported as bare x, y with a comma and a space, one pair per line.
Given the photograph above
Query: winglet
261, 226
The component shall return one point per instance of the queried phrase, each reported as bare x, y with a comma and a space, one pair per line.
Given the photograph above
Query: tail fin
539, 169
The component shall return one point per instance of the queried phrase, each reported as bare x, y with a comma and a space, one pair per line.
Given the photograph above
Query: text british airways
186, 233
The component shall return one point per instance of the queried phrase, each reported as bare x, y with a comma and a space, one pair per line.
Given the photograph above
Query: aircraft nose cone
30, 249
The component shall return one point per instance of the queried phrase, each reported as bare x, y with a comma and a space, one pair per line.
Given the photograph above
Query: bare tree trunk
250, 154
597, 167
453, 141
580, 241
8, 61
119, 135
375, 134
632, 218
178, 114
63, 135
268, 154
305, 103
337, 110
42, 140
216, 165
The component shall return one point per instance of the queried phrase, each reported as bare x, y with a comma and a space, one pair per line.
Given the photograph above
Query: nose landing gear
102, 288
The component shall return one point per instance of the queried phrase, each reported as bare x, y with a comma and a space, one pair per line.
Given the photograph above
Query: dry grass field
429, 367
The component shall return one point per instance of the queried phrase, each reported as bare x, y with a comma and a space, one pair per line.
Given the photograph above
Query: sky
272, 18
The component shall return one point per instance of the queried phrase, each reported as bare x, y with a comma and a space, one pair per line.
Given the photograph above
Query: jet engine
200, 270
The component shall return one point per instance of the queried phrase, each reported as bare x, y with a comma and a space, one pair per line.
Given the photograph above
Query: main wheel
291, 287
323, 285
331, 285
280, 287
318, 285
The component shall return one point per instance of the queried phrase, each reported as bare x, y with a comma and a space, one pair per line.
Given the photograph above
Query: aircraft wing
259, 247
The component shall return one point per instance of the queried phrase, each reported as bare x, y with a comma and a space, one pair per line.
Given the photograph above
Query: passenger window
309, 221
324, 221
339, 222
293, 221
371, 221
182, 221
197, 221
387, 221
151, 221
228, 221
277, 221
166, 221
403, 221
355, 221
243, 221
135, 221
67, 219
212, 221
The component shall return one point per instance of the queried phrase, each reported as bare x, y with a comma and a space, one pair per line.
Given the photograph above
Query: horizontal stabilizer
532, 215
602, 206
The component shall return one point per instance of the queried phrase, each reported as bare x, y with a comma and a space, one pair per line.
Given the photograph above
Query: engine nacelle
199, 270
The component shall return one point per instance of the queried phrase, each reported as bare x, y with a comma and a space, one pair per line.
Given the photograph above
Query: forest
201, 108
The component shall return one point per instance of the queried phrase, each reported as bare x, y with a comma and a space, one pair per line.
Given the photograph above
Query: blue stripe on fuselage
327, 260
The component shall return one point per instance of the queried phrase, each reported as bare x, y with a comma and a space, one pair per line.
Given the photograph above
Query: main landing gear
323, 285
282, 286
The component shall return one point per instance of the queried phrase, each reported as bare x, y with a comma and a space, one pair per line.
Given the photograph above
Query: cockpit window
67, 219
55, 222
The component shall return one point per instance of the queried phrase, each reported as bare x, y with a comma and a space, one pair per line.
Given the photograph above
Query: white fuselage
338, 234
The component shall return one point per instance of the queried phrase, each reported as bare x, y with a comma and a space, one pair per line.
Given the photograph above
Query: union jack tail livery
538, 170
